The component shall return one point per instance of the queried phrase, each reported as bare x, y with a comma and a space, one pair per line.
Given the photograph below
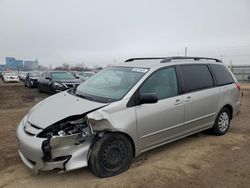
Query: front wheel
222, 122
111, 155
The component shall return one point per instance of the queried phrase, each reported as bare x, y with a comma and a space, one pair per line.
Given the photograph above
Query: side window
196, 77
163, 83
222, 75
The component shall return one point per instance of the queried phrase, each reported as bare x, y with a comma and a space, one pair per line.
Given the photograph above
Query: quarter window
196, 77
222, 75
163, 83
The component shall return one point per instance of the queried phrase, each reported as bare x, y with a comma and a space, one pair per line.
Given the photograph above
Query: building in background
242, 72
31, 65
2, 67
13, 63
20, 65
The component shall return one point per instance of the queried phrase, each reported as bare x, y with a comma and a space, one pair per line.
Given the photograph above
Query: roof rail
169, 59
144, 58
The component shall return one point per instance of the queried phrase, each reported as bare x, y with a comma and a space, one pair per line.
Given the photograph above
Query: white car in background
10, 77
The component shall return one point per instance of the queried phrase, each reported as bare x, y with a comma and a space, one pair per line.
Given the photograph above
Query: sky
100, 32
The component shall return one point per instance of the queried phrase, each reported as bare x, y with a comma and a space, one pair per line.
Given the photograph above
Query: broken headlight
67, 127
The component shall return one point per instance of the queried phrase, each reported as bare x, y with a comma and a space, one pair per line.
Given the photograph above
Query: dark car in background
56, 81
85, 75
75, 74
31, 79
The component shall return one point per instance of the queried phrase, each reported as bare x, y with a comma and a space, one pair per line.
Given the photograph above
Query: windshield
111, 84
62, 76
34, 74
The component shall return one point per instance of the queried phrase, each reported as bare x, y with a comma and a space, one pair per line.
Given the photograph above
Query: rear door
201, 97
161, 121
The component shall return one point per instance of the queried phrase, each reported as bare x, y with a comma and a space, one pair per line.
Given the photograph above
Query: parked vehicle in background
127, 109
10, 77
85, 75
75, 74
31, 79
56, 81
22, 76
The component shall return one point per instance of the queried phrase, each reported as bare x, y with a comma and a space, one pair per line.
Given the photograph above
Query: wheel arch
121, 133
230, 108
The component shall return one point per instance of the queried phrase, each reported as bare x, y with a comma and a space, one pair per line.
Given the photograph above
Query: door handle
177, 101
188, 99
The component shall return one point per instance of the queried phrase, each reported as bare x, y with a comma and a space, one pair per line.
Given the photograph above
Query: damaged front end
64, 145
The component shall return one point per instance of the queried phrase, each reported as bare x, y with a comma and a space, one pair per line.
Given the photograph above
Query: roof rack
169, 59
144, 58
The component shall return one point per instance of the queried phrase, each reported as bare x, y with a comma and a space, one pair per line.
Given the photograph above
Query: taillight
238, 85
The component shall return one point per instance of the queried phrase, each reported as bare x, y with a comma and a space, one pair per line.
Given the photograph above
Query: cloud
96, 32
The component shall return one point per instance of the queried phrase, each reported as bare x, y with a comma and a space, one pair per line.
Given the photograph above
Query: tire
111, 155
222, 122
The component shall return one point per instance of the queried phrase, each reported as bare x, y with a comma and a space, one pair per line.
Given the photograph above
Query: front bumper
11, 80
66, 154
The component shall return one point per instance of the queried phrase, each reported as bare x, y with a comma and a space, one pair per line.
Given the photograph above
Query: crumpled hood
58, 107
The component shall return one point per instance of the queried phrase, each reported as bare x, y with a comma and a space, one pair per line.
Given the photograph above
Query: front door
162, 121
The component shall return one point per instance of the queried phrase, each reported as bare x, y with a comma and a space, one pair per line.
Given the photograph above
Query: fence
242, 73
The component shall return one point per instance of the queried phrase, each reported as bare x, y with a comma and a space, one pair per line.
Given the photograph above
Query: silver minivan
125, 110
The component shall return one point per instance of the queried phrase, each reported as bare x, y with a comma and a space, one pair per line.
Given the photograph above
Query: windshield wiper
85, 97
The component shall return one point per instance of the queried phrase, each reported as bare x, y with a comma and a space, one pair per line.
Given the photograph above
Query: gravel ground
201, 160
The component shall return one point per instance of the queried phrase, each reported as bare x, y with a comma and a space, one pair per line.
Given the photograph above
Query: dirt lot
201, 160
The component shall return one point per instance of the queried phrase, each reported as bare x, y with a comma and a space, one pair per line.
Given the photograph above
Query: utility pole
185, 51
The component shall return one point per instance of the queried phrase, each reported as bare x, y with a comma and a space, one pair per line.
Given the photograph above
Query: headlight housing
57, 85
67, 127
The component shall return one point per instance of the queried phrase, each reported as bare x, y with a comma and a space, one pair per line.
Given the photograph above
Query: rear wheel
111, 155
222, 122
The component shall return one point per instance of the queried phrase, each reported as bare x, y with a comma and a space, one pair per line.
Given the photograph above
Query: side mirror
47, 78
77, 77
148, 98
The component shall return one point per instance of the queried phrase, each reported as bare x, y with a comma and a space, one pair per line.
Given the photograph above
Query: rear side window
222, 75
196, 77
